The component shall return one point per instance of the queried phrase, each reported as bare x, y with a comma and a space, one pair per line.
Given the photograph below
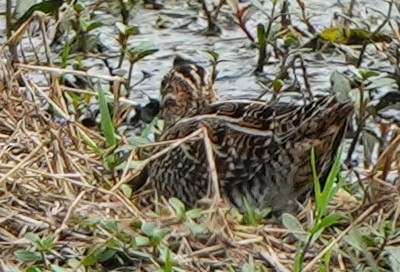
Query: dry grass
54, 185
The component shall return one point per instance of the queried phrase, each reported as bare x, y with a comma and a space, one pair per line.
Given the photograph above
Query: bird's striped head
185, 90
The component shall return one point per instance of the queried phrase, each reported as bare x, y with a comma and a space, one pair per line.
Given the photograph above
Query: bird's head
185, 90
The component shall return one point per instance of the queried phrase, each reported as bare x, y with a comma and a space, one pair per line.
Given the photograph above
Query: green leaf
354, 239
322, 198
106, 121
194, 213
132, 30
79, 7
178, 206
326, 261
298, 260
127, 190
169, 262
290, 40
32, 237
142, 54
326, 222
277, 85
47, 243
352, 36
28, 256
158, 235
95, 255
382, 82
292, 223
90, 260
369, 241
114, 242
87, 140
336, 35
250, 215
141, 241
110, 225
394, 258
330, 188
148, 228
340, 84
83, 24
365, 73
196, 228
48, 7
138, 140
106, 254
93, 26
360, 36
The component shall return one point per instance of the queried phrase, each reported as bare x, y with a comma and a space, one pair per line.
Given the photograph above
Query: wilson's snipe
185, 90
261, 150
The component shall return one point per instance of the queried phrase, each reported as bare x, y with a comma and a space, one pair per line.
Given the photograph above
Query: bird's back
262, 151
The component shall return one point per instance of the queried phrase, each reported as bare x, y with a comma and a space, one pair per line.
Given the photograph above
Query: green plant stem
360, 124
269, 26
131, 65
123, 40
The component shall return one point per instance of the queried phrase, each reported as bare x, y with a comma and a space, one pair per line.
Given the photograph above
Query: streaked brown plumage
184, 91
261, 150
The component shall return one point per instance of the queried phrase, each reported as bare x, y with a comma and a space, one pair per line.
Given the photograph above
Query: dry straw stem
52, 178
393, 148
68, 71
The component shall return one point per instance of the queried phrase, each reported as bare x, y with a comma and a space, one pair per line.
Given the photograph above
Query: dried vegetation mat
61, 209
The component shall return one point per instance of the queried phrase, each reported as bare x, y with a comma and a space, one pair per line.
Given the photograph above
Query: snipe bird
261, 150
185, 90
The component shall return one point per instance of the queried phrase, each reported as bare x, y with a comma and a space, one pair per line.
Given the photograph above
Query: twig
351, 8
116, 88
68, 214
273, 259
20, 164
68, 71
306, 20
387, 17
45, 41
360, 58
218, 9
212, 167
390, 149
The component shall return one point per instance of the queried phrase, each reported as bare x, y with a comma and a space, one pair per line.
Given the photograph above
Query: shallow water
235, 73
